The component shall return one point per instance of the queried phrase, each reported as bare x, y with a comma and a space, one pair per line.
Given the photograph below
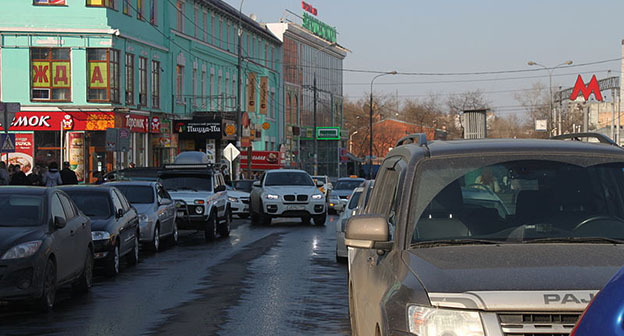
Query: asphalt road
278, 280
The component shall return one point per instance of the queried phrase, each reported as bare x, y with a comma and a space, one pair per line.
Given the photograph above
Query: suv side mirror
366, 231
59, 222
119, 213
257, 184
319, 183
220, 188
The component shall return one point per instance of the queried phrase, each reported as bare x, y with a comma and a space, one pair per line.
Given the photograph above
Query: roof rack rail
419, 139
188, 166
577, 137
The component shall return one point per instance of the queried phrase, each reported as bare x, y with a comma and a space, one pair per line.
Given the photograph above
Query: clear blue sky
464, 36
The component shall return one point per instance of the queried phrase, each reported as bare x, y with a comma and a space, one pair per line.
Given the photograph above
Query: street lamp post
351, 141
370, 124
552, 107
239, 112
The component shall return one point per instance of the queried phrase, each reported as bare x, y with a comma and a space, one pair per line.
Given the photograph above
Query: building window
49, 2
194, 86
266, 55
205, 26
140, 9
50, 74
103, 75
272, 59
154, 12
227, 41
203, 88
155, 84
179, 83
195, 25
101, 3
126, 7
142, 81
212, 27
253, 47
180, 7
219, 93
129, 79
220, 34
211, 83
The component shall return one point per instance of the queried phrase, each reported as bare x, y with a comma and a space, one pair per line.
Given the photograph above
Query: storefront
74, 136
164, 143
200, 134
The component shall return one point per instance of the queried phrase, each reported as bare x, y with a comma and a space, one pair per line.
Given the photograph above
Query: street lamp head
392, 73
568, 63
354, 133
531, 63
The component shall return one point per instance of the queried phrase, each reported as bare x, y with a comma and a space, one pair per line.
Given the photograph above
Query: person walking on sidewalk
19, 178
67, 175
4, 174
52, 177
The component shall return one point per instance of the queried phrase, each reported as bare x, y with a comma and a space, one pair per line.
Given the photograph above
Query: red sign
586, 90
262, 160
155, 125
308, 8
24, 152
69, 121
136, 123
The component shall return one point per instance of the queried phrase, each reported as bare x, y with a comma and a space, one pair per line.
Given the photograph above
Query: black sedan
115, 228
45, 243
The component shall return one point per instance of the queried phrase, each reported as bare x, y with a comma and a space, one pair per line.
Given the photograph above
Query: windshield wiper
463, 241
603, 240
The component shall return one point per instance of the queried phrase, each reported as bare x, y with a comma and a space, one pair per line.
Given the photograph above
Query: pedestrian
35, 177
67, 175
11, 170
52, 178
4, 174
19, 178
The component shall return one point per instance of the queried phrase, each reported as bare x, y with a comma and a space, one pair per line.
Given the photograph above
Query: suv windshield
92, 204
347, 185
187, 182
520, 201
243, 185
20, 210
288, 178
137, 194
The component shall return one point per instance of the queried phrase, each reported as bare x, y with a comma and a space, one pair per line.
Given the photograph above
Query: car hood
144, 208
515, 267
297, 190
11, 236
99, 224
190, 196
237, 193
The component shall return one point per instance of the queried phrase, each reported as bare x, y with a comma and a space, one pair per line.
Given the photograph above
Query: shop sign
266, 126
75, 150
309, 8
251, 92
210, 128
55, 74
68, 121
136, 123
262, 160
328, 133
586, 90
98, 75
264, 94
155, 125
319, 28
229, 129
24, 152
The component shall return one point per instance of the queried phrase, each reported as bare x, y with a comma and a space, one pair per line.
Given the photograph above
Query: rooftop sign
319, 28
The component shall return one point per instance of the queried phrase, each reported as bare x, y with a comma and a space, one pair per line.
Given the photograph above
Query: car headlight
100, 235
143, 218
199, 210
426, 321
272, 197
317, 196
233, 199
22, 250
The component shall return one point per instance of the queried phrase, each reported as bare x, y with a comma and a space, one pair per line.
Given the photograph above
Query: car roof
285, 171
137, 183
86, 187
192, 157
351, 179
23, 190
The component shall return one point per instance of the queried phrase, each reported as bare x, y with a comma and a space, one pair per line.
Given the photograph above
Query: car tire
175, 235
255, 218
84, 283
210, 228
305, 220
265, 219
319, 220
133, 256
243, 216
113, 262
224, 228
48, 294
155, 246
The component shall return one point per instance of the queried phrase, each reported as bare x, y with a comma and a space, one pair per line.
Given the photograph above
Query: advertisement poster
262, 160
75, 153
24, 151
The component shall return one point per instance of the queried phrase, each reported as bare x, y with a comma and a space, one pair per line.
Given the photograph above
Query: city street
279, 280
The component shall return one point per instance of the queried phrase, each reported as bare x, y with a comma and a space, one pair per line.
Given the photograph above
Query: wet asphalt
277, 280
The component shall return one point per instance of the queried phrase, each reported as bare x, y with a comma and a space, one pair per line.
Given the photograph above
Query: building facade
312, 63
151, 67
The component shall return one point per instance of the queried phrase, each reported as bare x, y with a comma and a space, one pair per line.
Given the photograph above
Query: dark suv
486, 237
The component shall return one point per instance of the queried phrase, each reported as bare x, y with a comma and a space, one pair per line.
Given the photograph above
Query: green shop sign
319, 28
328, 133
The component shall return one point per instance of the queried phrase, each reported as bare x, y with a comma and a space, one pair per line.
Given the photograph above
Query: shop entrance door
100, 162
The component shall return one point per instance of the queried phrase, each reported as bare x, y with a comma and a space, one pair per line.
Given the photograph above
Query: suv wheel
224, 228
210, 228
319, 220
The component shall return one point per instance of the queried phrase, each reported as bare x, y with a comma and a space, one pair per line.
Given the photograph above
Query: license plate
180, 214
296, 207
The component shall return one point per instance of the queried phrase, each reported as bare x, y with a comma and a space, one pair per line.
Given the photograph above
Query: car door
131, 220
121, 222
165, 211
220, 197
63, 240
372, 273
79, 237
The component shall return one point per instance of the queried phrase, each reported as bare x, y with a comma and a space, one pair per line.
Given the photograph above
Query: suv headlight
317, 196
100, 235
143, 218
272, 197
425, 321
233, 199
22, 250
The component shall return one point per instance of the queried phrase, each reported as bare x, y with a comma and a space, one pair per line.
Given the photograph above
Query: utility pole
370, 124
315, 135
239, 112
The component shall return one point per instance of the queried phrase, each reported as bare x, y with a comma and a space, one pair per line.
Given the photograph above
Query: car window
22, 210
187, 182
56, 207
136, 194
519, 200
353, 202
67, 206
124, 201
288, 178
386, 202
92, 204
116, 202
347, 184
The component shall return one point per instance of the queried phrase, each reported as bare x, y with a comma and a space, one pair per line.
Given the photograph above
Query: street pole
239, 112
555, 128
370, 124
315, 135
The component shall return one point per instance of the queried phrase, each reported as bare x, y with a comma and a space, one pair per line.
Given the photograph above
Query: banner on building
209, 128
262, 160
55, 74
68, 121
136, 123
75, 153
264, 94
24, 152
251, 92
98, 74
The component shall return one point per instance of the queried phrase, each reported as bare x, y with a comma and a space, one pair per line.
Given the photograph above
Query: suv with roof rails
488, 237
199, 194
